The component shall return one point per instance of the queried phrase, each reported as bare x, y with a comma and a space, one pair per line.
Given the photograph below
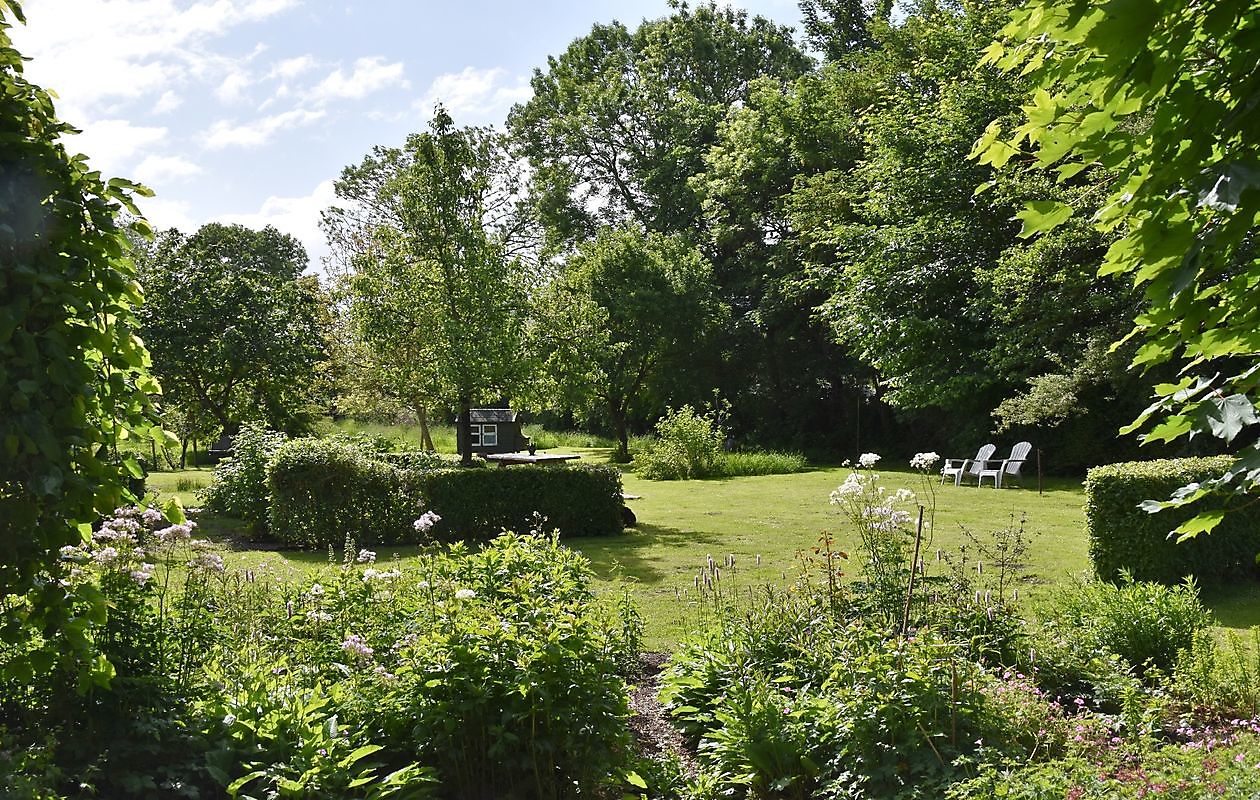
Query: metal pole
1039, 472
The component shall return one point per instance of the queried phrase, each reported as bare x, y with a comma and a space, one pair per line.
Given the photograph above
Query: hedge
477, 504
1124, 537
323, 491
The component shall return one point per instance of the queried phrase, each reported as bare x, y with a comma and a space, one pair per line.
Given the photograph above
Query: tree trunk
464, 432
622, 456
422, 415
183, 452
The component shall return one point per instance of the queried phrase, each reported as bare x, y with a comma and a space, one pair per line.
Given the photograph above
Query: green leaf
174, 512
1204, 522
634, 779
1040, 216
365, 750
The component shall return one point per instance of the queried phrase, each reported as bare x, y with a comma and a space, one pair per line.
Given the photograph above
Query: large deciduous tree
234, 327
1165, 95
439, 259
621, 119
629, 307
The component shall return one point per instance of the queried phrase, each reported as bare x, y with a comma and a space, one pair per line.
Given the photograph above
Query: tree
73, 371
1166, 97
838, 28
621, 120
234, 327
439, 256
628, 307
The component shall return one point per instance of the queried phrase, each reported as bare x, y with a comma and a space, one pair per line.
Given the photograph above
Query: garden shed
494, 430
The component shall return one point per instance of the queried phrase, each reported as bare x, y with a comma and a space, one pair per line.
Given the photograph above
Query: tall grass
735, 465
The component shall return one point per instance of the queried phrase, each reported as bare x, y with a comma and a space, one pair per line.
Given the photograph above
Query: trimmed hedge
478, 504
1124, 537
323, 491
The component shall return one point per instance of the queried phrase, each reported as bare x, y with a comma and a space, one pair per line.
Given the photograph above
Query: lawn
775, 517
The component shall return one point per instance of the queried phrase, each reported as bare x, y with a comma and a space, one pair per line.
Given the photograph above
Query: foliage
689, 445
625, 313
240, 486
1146, 624
492, 673
322, 492
1124, 535
74, 369
621, 119
235, 329
438, 256
1203, 769
790, 701
476, 504
1120, 88
758, 462
1221, 679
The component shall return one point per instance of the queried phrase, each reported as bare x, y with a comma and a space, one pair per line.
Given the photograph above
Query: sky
245, 111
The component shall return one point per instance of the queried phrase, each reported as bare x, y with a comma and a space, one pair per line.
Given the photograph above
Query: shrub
240, 486
1145, 624
1225, 679
1124, 537
736, 465
323, 492
415, 460
477, 504
688, 446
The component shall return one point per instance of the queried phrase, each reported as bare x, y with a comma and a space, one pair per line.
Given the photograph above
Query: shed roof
479, 415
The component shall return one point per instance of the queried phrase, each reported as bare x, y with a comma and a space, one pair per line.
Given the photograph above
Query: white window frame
489, 435
474, 435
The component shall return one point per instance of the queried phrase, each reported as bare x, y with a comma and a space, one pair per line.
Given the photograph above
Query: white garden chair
957, 467
1009, 466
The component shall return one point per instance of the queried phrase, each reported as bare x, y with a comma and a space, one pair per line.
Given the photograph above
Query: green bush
1124, 537
323, 492
415, 460
478, 504
1145, 624
240, 486
689, 446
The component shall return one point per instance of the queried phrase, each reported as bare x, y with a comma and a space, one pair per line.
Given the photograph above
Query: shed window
474, 435
490, 435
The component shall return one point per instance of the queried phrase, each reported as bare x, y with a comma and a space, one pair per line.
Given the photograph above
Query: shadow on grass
1234, 606
631, 553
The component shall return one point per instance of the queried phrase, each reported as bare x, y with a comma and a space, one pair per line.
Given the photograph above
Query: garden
717, 299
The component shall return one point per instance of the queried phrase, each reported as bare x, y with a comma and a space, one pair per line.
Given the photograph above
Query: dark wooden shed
494, 430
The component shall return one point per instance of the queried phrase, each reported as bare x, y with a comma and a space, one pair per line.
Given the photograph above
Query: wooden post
1039, 472
914, 565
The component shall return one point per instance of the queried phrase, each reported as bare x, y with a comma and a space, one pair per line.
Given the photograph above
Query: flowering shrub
240, 487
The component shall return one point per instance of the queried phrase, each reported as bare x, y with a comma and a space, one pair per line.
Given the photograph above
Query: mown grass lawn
777, 517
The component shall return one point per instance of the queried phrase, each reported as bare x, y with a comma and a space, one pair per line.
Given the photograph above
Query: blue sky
246, 110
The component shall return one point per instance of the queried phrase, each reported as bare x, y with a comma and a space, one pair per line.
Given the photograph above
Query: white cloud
168, 102
96, 55
475, 95
156, 170
163, 212
110, 144
297, 216
258, 132
369, 75
233, 87
290, 68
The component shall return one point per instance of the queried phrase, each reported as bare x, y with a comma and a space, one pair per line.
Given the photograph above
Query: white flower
426, 522
465, 594
852, 487
105, 556
924, 461
316, 590
211, 562
366, 557
318, 616
152, 516
904, 496
369, 574
175, 533
228, 719
355, 646
70, 551
141, 576
867, 460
